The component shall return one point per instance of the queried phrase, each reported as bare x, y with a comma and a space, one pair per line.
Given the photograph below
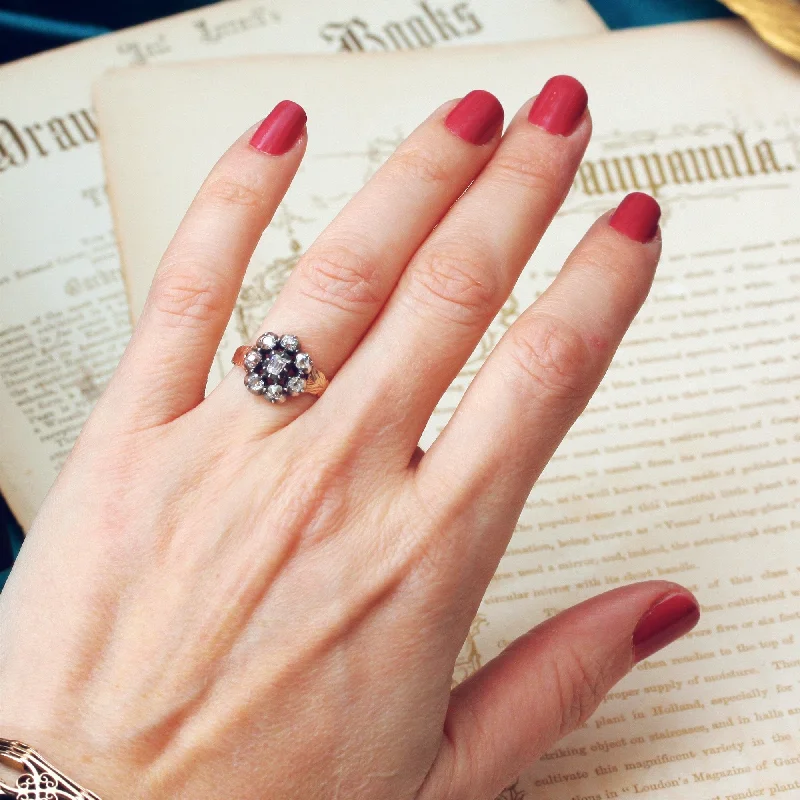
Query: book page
685, 464
64, 319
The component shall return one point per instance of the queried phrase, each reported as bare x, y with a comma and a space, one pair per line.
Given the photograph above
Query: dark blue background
30, 27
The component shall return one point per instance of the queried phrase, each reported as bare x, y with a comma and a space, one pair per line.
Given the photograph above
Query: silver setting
255, 383
39, 780
303, 363
277, 363
290, 343
276, 393
252, 359
276, 369
267, 341
296, 385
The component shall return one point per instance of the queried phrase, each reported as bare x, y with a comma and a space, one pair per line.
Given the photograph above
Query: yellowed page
63, 312
685, 464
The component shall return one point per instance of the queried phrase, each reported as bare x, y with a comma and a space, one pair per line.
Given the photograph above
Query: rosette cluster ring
277, 368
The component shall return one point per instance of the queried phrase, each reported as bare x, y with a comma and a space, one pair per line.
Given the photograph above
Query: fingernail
637, 217
666, 620
279, 132
476, 118
559, 106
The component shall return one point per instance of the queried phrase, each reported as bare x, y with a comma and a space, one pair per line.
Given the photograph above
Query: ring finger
461, 276
339, 286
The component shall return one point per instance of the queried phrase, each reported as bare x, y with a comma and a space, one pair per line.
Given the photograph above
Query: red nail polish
667, 620
476, 118
637, 217
559, 106
279, 132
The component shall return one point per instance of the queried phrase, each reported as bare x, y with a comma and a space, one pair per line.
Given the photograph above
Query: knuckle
457, 285
625, 272
527, 169
230, 192
582, 684
419, 165
341, 276
183, 296
551, 357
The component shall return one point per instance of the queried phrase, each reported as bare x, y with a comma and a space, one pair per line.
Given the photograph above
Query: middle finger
339, 286
460, 278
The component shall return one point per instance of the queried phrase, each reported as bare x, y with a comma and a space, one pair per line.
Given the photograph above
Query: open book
685, 464
64, 319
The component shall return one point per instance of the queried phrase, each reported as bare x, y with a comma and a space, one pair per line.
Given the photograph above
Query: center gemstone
277, 363
277, 368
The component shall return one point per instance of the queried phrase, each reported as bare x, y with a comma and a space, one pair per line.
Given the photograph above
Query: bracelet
39, 780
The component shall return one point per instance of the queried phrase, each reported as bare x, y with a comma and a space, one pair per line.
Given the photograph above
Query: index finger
164, 371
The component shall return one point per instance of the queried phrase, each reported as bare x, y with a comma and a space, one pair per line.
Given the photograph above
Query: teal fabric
63, 29
634, 13
10, 542
26, 27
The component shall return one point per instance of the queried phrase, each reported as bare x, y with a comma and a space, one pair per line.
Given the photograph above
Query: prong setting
276, 368
303, 363
267, 341
252, 359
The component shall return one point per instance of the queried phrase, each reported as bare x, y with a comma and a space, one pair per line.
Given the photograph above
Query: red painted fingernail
669, 618
637, 217
476, 118
559, 106
279, 132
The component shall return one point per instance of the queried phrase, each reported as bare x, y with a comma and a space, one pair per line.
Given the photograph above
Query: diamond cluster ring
277, 368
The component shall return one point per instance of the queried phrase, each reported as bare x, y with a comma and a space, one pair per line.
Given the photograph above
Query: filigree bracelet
39, 780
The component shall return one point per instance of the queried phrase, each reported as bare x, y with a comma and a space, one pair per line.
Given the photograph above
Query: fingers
462, 275
546, 684
339, 286
165, 369
543, 372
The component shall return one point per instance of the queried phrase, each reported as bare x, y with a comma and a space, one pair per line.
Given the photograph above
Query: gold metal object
317, 383
777, 22
39, 780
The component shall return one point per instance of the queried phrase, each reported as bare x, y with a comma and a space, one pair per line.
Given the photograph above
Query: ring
277, 368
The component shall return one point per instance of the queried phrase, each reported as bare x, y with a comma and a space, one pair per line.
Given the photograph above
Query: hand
225, 597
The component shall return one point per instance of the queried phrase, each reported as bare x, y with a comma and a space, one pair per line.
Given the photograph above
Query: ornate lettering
653, 171
434, 25
18, 144
13, 152
259, 17
142, 52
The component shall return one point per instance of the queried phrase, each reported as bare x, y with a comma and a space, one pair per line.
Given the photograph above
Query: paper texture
63, 315
684, 466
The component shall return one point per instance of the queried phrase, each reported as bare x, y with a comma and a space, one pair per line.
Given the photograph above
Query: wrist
63, 761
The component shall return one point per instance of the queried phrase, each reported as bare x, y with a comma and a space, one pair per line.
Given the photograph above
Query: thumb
548, 682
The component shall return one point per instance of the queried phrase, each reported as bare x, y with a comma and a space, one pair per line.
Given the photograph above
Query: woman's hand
222, 597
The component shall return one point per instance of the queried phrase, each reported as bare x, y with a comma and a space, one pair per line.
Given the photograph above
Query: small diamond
267, 341
303, 362
277, 364
252, 359
275, 393
296, 385
255, 384
290, 343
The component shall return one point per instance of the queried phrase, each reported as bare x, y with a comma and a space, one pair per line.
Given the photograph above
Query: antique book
64, 319
684, 465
